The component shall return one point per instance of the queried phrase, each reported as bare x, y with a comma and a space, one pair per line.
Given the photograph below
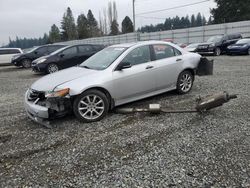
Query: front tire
26, 63
185, 82
217, 52
91, 106
52, 68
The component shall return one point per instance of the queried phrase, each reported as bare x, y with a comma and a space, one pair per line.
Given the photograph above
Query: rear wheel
91, 106
217, 52
26, 63
51, 68
185, 82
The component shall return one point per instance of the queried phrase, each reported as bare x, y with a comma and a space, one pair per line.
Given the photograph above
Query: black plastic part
205, 67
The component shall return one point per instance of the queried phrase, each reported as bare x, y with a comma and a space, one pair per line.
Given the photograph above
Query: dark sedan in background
217, 45
241, 47
25, 59
64, 58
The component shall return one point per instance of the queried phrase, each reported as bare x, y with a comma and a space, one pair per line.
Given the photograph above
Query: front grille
34, 95
203, 47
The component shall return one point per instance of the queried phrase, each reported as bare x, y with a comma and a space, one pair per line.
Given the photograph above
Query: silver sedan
116, 75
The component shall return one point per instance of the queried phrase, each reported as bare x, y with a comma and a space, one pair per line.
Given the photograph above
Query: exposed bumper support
37, 113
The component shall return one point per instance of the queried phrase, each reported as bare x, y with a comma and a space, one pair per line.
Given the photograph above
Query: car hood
51, 81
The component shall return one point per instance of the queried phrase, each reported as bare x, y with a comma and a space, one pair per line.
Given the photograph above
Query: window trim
175, 49
150, 56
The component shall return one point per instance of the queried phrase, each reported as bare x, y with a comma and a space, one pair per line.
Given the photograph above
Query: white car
6, 54
117, 75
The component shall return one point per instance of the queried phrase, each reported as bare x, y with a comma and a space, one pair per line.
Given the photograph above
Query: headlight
41, 60
245, 46
59, 93
212, 45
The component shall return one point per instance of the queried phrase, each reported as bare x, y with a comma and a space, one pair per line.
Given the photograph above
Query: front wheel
185, 82
51, 68
26, 63
217, 52
91, 106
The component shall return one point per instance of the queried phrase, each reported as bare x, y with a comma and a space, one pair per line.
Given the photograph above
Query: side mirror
124, 65
61, 55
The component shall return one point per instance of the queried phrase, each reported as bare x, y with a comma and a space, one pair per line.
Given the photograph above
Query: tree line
178, 23
87, 26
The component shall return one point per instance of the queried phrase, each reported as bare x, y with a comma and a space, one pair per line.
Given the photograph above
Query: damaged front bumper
37, 113
49, 109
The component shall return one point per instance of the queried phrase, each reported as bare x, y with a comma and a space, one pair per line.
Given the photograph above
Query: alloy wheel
26, 63
186, 82
91, 107
52, 68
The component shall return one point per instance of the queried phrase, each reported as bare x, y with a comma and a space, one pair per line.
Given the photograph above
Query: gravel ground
139, 150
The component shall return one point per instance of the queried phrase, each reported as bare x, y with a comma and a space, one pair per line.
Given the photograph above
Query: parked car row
222, 44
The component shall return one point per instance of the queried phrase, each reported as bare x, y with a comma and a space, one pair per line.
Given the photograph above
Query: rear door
169, 61
85, 51
68, 57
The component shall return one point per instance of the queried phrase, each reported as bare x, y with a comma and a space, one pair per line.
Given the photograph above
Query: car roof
128, 45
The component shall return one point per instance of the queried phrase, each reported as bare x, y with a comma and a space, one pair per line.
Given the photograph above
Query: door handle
149, 67
178, 59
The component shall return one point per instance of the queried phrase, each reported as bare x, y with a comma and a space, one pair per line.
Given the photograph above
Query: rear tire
91, 106
52, 68
185, 82
26, 63
217, 52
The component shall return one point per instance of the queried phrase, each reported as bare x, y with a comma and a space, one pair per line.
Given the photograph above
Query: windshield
192, 46
243, 41
215, 39
33, 49
58, 51
103, 59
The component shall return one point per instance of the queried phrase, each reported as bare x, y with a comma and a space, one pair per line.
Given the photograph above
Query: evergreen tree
231, 11
54, 34
68, 26
93, 25
114, 28
198, 20
83, 27
127, 25
193, 21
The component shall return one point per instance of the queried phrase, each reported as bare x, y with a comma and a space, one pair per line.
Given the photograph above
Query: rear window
163, 51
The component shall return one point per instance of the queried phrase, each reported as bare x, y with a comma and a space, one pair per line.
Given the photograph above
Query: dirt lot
177, 150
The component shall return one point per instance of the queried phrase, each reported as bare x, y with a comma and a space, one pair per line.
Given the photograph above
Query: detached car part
203, 105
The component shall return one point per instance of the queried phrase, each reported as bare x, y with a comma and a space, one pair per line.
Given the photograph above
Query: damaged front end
42, 107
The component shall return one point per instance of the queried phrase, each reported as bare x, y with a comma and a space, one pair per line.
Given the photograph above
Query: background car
217, 45
192, 47
25, 59
6, 54
114, 76
64, 58
240, 47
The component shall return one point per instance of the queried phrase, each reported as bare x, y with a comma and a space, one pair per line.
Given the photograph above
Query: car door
85, 52
68, 57
137, 80
169, 62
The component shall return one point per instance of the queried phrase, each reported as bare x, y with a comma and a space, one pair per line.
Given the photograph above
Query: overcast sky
32, 18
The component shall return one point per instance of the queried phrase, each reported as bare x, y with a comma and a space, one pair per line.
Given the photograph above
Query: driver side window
70, 51
138, 56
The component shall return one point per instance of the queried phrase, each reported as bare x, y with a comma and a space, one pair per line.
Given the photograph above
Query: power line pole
134, 13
